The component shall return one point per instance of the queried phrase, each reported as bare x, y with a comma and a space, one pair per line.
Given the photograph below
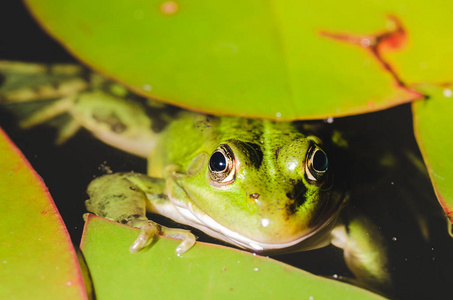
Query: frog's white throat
185, 214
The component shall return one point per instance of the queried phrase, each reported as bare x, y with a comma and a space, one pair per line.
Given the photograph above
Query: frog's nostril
291, 196
254, 196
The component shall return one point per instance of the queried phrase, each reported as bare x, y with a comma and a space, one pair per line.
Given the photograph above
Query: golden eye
316, 164
221, 165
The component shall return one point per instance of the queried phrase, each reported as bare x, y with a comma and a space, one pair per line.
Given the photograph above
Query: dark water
395, 198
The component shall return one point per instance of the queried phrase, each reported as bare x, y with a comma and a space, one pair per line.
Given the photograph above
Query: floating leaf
433, 129
204, 272
280, 59
36, 253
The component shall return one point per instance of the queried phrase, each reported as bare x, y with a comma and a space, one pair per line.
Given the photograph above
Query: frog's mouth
191, 216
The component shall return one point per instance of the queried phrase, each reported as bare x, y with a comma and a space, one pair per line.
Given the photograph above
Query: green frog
261, 185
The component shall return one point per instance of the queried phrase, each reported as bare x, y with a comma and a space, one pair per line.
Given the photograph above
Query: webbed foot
150, 229
124, 198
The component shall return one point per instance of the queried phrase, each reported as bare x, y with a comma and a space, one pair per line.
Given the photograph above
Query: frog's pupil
217, 162
320, 162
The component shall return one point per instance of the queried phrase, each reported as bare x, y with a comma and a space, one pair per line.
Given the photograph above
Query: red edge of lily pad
48, 211
445, 205
431, 90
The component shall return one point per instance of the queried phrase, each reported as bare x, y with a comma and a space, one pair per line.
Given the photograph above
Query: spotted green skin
271, 200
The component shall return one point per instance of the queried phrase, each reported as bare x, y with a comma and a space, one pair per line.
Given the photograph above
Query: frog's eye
221, 165
316, 164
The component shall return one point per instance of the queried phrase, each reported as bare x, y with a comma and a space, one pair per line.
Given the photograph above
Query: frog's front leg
126, 197
365, 250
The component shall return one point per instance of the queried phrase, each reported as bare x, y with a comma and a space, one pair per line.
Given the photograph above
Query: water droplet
278, 114
448, 93
147, 87
256, 269
292, 166
335, 276
394, 239
311, 298
365, 42
329, 120
264, 222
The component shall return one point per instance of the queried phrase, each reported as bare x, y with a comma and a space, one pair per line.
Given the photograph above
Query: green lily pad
433, 129
204, 272
36, 254
282, 59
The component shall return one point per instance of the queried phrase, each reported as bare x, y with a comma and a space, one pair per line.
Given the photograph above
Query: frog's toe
47, 113
187, 238
148, 230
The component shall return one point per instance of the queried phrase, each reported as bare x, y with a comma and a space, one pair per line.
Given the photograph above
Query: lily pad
37, 256
433, 129
281, 59
204, 272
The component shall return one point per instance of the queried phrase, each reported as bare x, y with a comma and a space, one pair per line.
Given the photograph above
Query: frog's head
264, 197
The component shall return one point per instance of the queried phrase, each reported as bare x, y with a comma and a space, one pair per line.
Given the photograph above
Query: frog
261, 185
